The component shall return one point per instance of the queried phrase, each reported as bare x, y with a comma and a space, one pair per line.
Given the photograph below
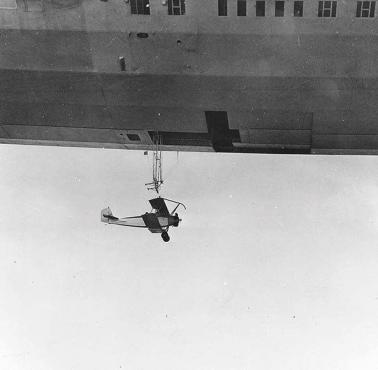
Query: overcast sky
275, 265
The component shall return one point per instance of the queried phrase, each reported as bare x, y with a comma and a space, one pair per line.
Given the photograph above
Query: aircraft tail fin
107, 215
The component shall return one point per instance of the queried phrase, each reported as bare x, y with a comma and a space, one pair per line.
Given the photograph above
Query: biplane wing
152, 222
160, 206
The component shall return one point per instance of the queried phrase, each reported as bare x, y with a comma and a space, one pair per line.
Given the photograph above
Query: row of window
175, 7
326, 8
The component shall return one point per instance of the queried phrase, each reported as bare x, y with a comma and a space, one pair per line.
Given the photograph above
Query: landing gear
165, 236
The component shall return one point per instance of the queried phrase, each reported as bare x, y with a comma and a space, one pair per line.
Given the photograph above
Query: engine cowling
176, 220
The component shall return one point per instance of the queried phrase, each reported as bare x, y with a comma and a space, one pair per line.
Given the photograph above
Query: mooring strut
157, 169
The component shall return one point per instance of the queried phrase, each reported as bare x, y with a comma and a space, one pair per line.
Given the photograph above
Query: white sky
275, 265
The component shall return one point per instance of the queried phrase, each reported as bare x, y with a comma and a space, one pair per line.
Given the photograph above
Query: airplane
157, 221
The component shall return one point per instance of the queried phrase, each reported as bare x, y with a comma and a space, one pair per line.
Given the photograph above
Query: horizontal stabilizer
107, 215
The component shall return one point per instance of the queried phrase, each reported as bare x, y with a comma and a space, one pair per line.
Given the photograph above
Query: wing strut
178, 204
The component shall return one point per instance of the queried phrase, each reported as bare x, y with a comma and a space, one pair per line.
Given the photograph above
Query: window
260, 8
280, 8
133, 137
298, 8
365, 9
176, 7
122, 63
222, 7
242, 7
327, 9
140, 7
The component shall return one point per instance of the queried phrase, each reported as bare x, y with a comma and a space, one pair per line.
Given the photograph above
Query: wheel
165, 236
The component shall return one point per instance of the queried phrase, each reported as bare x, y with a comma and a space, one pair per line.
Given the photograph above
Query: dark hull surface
230, 84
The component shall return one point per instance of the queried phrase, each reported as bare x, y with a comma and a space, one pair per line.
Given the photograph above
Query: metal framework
157, 169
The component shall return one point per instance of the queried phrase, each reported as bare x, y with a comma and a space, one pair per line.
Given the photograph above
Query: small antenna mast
157, 169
